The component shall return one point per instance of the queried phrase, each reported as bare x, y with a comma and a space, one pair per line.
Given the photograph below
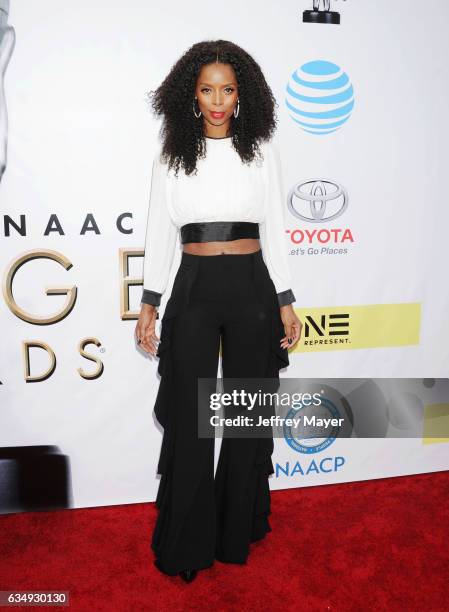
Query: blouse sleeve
160, 238
272, 231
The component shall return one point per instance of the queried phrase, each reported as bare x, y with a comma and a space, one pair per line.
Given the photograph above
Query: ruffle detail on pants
165, 411
264, 464
164, 414
168, 530
164, 404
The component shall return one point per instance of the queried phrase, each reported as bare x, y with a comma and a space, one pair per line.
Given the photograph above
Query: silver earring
199, 115
236, 114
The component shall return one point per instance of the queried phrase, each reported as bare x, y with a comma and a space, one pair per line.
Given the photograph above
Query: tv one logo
321, 328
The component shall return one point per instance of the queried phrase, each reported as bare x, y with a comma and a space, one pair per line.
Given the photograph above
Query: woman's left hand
292, 326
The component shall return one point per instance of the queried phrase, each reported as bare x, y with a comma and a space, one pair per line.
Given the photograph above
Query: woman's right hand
146, 329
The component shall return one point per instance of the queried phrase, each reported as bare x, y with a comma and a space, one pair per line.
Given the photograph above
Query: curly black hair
183, 138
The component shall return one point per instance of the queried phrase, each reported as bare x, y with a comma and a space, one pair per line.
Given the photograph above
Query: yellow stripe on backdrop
436, 423
353, 327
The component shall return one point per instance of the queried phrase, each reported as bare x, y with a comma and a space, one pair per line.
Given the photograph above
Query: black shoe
188, 575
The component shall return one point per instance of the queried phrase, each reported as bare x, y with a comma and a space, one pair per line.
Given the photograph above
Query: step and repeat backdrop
361, 88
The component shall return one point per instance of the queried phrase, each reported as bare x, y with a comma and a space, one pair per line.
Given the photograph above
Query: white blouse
224, 189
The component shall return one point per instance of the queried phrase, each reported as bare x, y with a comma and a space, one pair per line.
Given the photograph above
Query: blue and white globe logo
320, 97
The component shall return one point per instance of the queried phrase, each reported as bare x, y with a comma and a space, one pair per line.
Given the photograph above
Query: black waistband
211, 231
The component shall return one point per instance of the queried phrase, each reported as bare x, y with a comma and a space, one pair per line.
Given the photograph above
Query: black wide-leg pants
227, 299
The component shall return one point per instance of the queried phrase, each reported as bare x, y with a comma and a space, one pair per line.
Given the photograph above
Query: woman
217, 178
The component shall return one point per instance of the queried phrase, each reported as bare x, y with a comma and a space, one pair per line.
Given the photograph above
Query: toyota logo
317, 200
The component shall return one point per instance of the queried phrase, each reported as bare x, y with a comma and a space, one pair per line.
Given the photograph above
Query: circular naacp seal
312, 438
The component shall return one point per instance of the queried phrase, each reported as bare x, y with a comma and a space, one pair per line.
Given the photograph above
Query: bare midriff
223, 247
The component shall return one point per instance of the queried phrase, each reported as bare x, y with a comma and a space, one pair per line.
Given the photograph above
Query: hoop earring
199, 115
236, 114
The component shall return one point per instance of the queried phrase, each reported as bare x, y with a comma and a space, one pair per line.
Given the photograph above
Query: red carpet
372, 545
